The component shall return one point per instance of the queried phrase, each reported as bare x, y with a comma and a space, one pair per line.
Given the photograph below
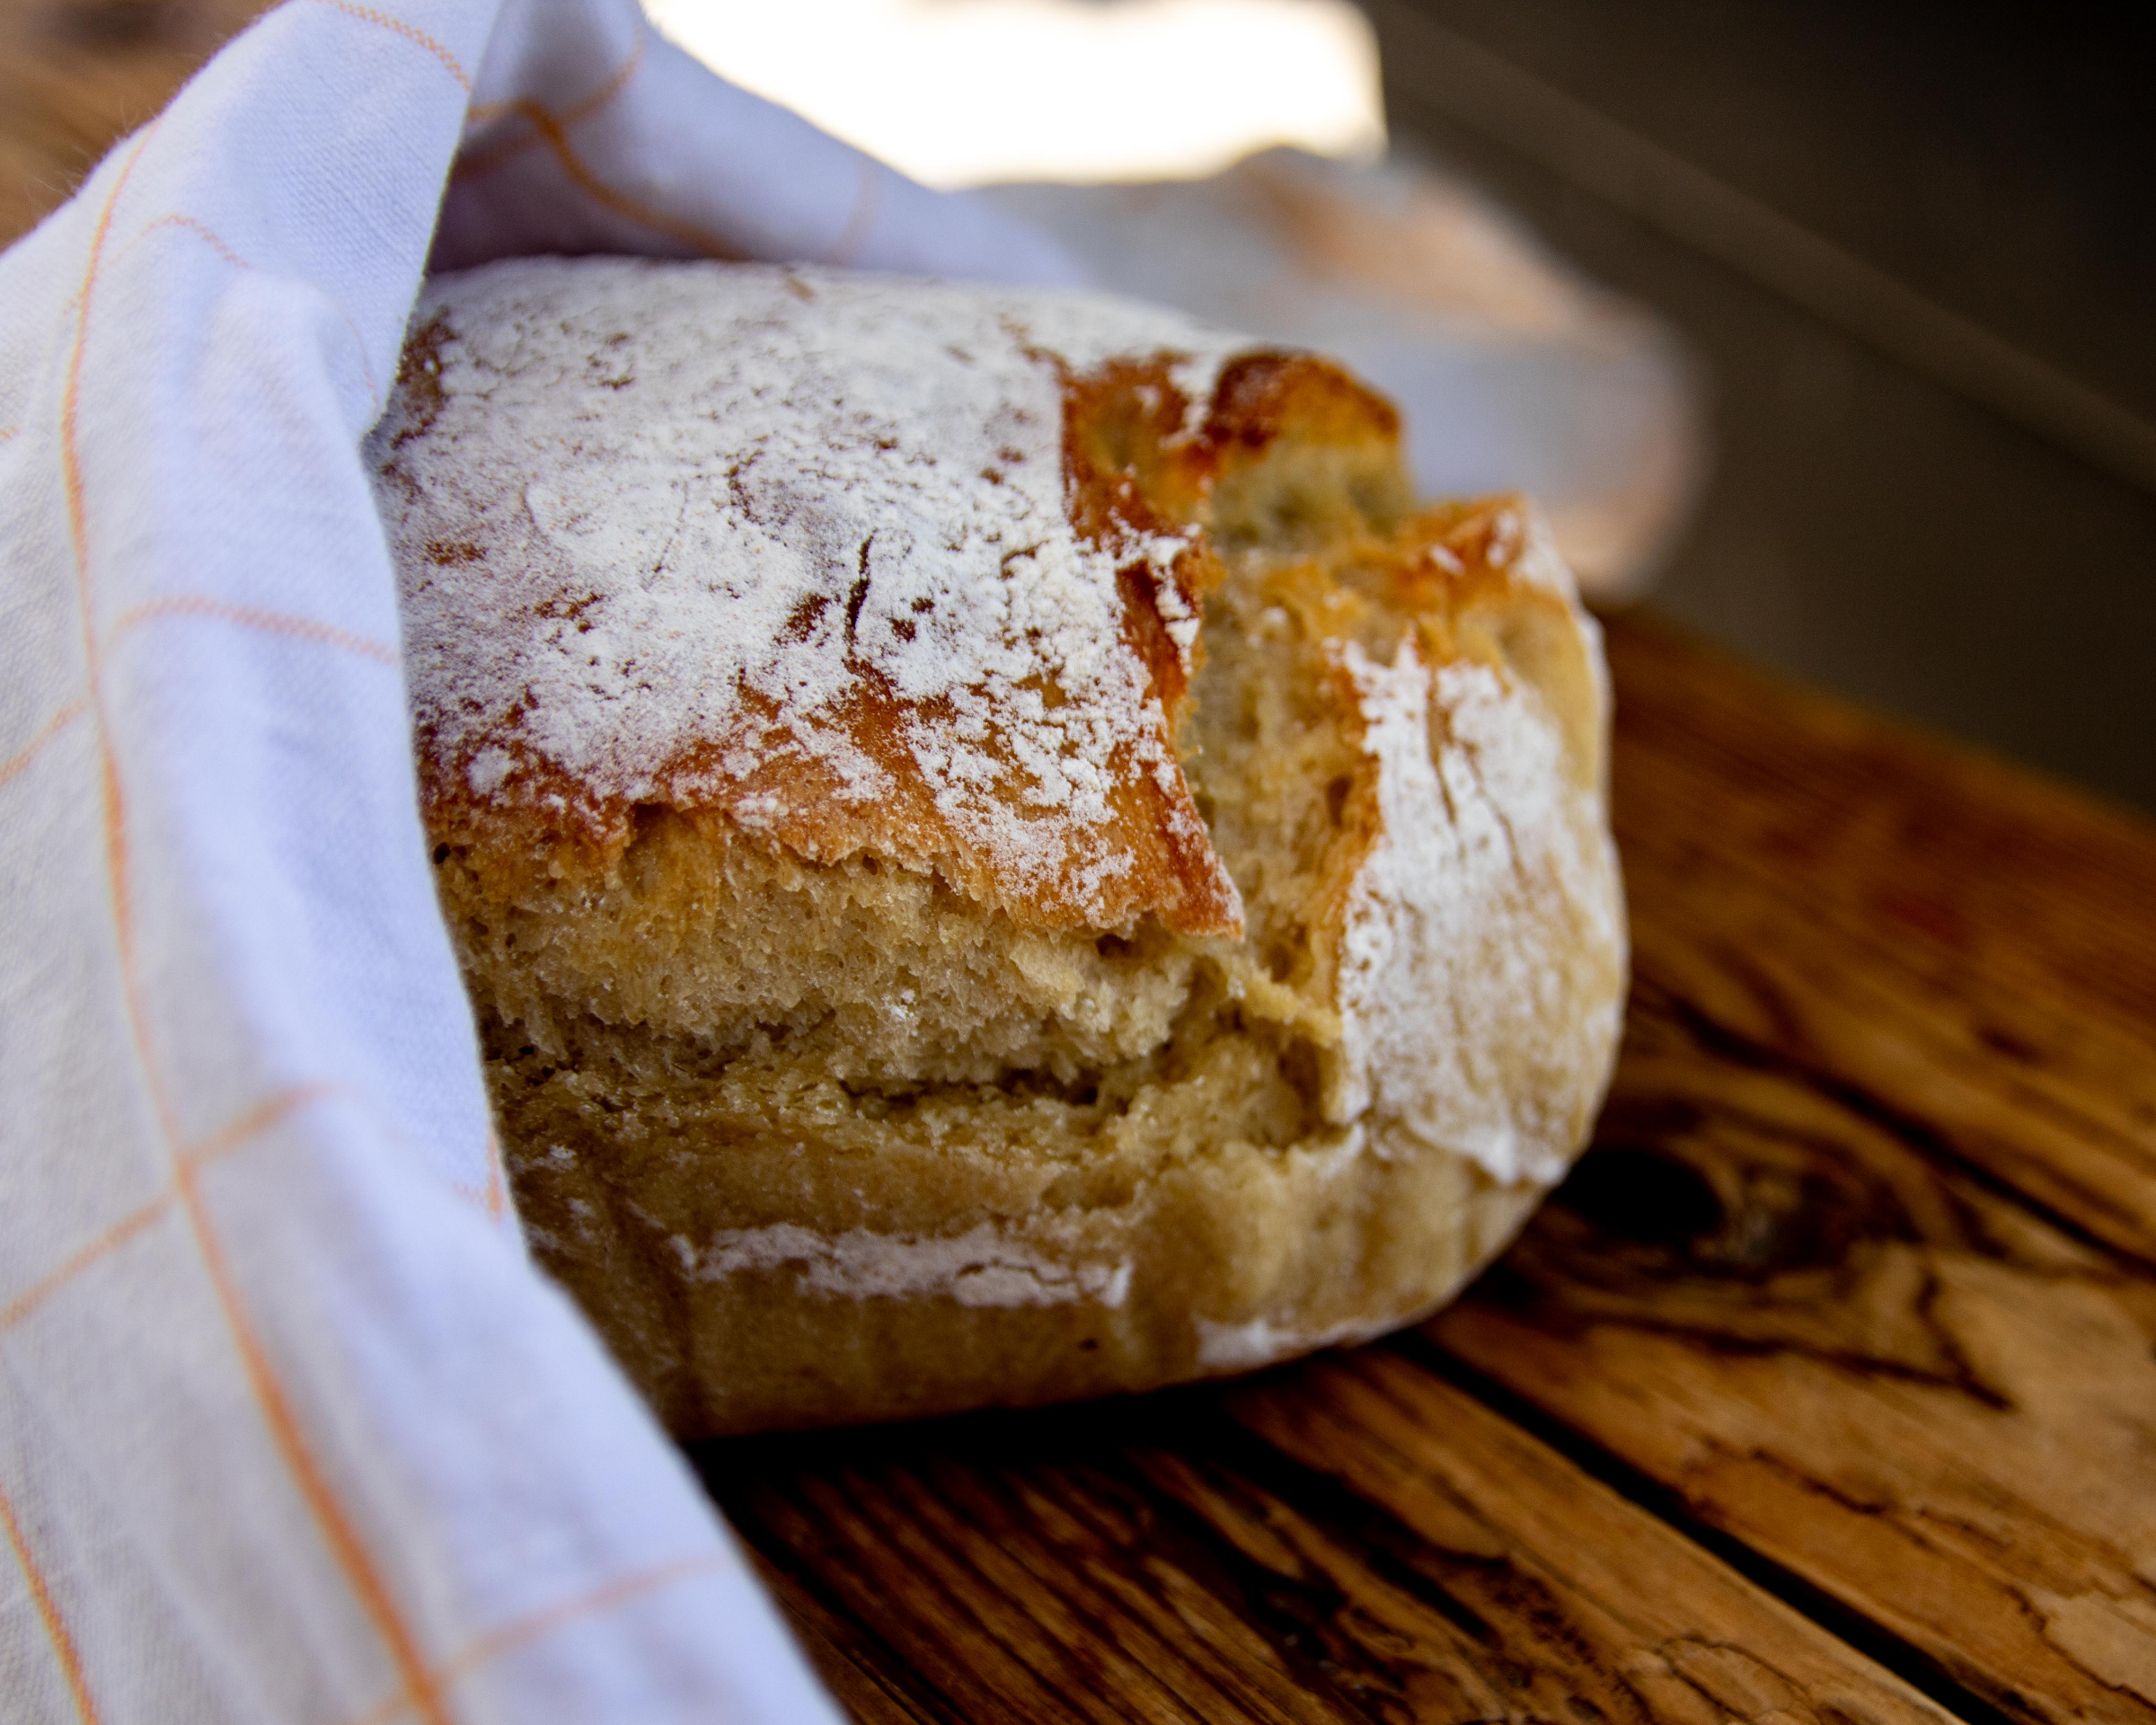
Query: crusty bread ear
1306, 455
821, 1124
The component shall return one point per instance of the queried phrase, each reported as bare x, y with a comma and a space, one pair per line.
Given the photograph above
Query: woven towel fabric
289, 1428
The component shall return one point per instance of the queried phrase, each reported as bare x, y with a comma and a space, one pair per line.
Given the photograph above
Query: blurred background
1828, 329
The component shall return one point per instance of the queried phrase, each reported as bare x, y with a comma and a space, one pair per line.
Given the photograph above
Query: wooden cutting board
1824, 1390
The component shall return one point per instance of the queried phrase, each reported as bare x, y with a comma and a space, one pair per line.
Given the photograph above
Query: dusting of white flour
663, 508
1239, 1346
1479, 846
980, 1266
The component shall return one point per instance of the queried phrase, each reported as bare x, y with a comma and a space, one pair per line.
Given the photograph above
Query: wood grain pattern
1888, 1379
1966, 942
1351, 1540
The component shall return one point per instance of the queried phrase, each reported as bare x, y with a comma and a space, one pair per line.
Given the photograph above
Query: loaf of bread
997, 854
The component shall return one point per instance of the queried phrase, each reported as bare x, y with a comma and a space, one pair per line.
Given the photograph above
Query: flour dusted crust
745, 550
998, 855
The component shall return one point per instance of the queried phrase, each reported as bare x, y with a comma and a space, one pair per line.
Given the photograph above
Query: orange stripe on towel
49, 1615
411, 32
247, 617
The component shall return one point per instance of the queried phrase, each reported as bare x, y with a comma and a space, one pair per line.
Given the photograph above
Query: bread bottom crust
1185, 1267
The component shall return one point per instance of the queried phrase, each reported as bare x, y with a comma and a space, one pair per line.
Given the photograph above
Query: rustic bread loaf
997, 855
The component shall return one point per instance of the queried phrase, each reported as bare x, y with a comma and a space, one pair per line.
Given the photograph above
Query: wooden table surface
1825, 1390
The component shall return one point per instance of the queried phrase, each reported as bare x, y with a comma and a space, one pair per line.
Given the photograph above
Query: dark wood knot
1640, 1194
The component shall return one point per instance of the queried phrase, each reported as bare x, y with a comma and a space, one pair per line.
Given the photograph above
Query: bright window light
963, 93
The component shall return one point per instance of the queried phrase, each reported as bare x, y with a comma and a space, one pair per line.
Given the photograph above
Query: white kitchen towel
289, 1428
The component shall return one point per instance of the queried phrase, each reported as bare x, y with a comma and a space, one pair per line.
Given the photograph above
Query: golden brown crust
1133, 471
1142, 854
